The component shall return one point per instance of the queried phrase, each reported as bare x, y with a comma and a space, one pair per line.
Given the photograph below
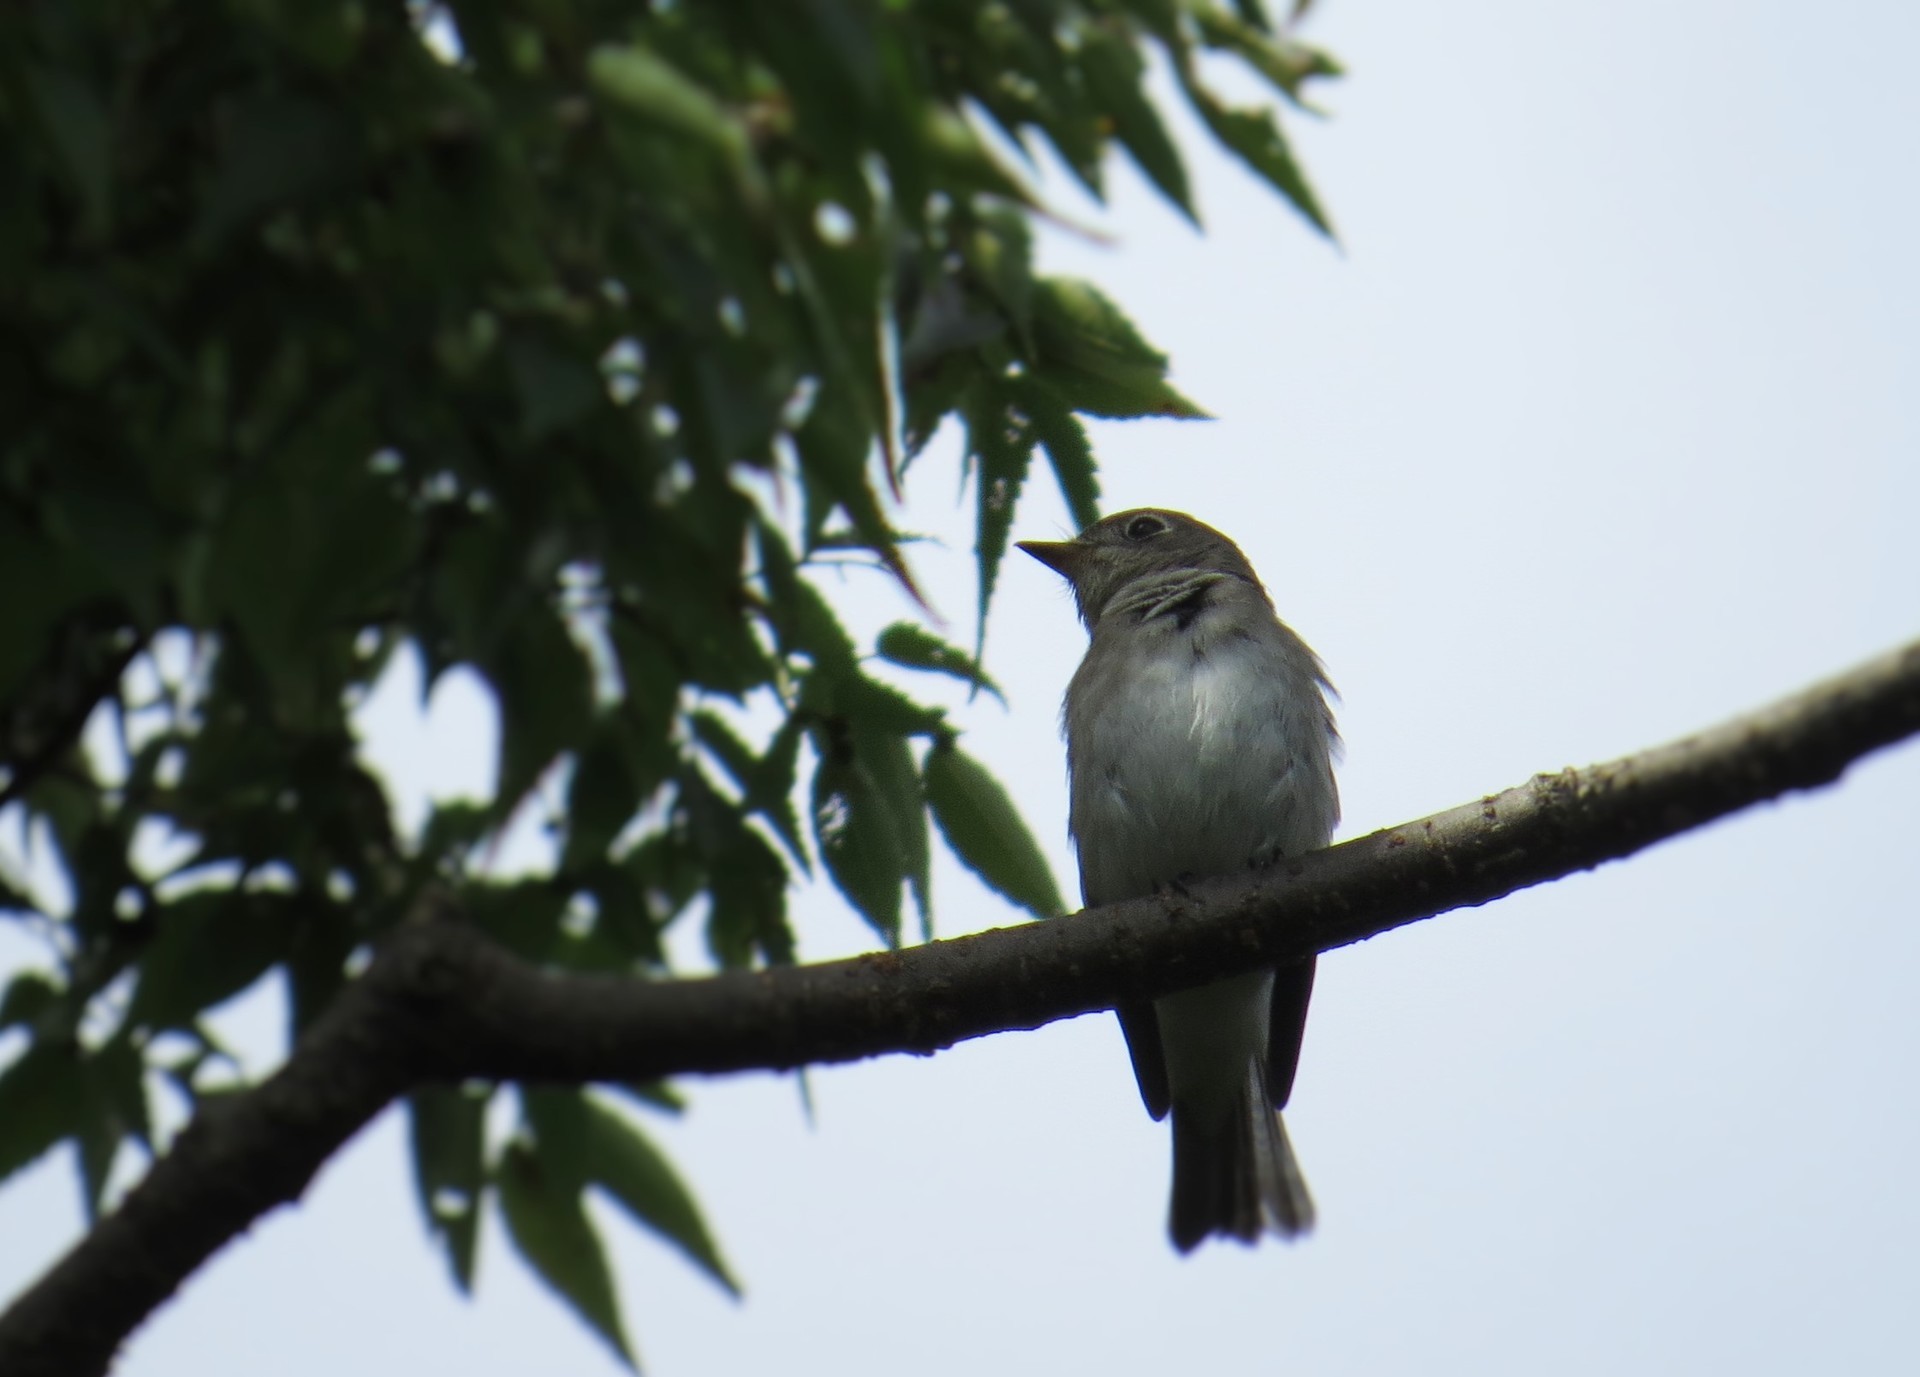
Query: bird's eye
1145, 527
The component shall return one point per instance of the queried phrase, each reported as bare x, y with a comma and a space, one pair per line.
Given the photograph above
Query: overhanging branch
442, 1003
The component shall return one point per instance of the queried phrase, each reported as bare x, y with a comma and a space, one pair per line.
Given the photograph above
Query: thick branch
442, 1003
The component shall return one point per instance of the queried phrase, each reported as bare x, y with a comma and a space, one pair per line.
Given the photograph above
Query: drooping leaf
584, 1142
1115, 69
904, 643
1253, 134
621, 1161
861, 838
448, 1133
1068, 449
1001, 446
547, 1222
985, 831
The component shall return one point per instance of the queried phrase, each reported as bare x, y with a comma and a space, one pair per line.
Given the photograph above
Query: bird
1200, 741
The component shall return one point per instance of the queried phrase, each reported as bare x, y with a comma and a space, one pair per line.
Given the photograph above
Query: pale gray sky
1600, 427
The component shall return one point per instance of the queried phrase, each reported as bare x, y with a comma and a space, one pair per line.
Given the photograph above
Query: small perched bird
1199, 742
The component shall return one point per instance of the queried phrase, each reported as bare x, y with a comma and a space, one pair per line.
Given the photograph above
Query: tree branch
442, 1003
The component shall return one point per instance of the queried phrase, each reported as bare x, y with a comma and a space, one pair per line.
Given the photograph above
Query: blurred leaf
546, 699
448, 1128
583, 1142
83, 134
209, 946
641, 82
630, 1169
29, 994
280, 148
114, 1109
917, 648
862, 838
547, 1221
42, 1100
1115, 69
523, 916
605, 792
984, 829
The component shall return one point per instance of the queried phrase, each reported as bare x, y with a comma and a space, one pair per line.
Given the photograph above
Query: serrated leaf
1253, 134
1001, 447
890, 763
1095, 360
1068, 449
985, 831
915, 647
1114, 69
860, 839
621, 1161
448, 1135
547, 1221
1285, 62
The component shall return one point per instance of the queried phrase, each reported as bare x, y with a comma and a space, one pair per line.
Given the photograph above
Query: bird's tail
1236, 1175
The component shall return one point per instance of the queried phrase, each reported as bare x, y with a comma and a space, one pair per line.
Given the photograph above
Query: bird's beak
1061, 556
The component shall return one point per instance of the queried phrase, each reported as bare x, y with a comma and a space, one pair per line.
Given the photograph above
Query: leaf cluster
559, 342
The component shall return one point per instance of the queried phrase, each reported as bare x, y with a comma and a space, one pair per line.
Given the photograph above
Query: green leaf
42, 1100
585, 1142
523, 916
748, 893
638, 81
1284, 62
448, 1130
556, 388
211, 946
861, 838
1114, 69
279, 149
917, 648
114, 1109
622, 1162
82, 132
1254, 135
1067, 447
984, 830
605, 792
547, 1221
1001, 447
546, 700
1093, 357
29, 994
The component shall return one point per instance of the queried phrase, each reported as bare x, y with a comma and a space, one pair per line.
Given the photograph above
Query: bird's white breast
1195, 753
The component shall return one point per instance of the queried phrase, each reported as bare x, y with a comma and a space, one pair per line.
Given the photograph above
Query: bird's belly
1195, 768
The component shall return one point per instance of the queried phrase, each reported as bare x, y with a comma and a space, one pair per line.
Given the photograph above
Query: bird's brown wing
1292, 988
1142, 1027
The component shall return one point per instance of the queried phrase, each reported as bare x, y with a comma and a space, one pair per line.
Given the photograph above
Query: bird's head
1145, 543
